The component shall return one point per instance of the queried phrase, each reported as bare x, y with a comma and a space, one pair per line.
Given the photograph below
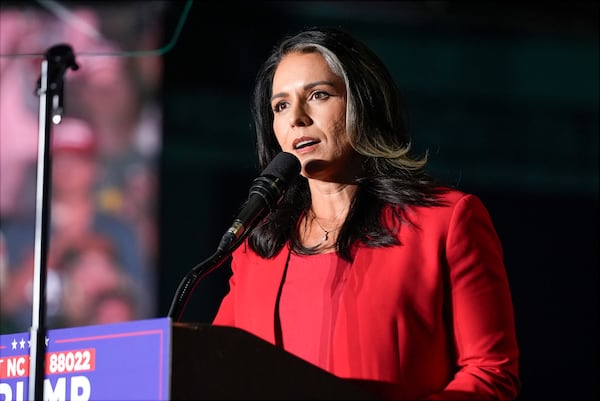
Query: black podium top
219, 362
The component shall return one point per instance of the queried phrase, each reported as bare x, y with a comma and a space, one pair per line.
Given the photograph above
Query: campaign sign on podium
120, 361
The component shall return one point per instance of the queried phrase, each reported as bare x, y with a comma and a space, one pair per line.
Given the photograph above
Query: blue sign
120, 361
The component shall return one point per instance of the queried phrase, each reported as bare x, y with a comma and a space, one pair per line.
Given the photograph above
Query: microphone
266, 192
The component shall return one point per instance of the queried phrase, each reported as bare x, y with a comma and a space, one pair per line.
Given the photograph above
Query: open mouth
303, 144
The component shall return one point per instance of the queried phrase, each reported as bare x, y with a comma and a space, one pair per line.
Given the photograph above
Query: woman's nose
299, 117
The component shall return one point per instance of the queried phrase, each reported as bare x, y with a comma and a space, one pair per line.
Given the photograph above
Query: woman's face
309, 107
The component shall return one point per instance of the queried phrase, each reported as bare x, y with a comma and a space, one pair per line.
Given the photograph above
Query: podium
156, 359
218, 362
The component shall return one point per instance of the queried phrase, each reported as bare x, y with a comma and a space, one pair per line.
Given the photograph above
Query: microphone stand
265, 194
51, 87
189, 282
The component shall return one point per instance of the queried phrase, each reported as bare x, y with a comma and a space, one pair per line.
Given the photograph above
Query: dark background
504, 97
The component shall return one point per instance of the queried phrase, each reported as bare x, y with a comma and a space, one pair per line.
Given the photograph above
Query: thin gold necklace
325, 232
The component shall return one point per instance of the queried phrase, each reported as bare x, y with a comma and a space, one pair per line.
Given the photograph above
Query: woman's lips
305, 144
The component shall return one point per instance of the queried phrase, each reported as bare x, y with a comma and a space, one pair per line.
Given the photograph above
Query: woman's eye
279, 106
319, 95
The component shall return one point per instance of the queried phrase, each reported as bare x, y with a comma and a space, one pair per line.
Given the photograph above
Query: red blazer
429, 319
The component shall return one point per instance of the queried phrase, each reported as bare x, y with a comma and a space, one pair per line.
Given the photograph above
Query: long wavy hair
377, 128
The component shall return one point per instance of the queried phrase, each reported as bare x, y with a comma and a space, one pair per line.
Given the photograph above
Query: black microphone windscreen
285, 166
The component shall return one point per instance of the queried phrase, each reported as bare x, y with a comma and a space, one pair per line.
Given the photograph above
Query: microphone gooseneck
266, 192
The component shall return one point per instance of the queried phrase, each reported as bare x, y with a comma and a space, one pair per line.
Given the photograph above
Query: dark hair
377, 128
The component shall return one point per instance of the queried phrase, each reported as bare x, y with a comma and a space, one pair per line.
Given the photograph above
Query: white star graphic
14, 344
22, 344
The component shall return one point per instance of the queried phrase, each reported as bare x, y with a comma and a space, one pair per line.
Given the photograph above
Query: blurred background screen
103, 247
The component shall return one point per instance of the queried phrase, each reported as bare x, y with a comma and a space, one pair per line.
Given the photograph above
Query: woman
368, 268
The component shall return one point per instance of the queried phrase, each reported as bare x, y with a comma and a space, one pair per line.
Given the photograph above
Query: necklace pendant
325, 236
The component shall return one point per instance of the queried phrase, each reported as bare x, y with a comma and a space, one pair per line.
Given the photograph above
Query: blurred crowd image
102, 250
